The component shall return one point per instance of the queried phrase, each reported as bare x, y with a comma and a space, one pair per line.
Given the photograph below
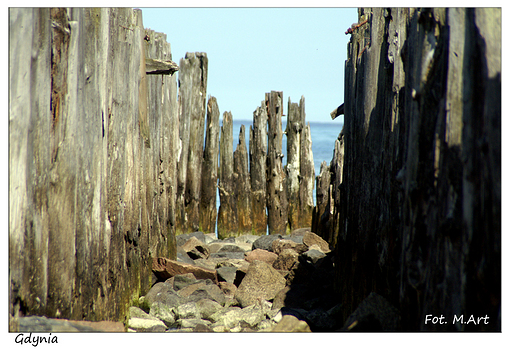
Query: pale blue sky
300, 51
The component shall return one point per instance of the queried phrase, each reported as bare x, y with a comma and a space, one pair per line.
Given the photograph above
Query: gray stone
188, 310
146, 325
290, 323
183, 238
195, 292
227, 317
265, 242
231, 248
313, 255
261, 281
208, 307
230, 255
164, 293
138, 312
163, 313
227, 274
193, 323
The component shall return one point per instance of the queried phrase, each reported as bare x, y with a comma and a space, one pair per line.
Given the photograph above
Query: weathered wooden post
306, 171
321, 220
293, 131
227, 220
276, 195
208, 196
257, 160
192, 96
336, 169
242, 183
198, 67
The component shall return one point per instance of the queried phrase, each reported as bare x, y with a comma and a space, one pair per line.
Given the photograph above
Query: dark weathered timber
160, 67
208, 196
276, 195
294, 131
322, 218
336, 179
227, 220
196, 71
257, 160
242, 183
421, 204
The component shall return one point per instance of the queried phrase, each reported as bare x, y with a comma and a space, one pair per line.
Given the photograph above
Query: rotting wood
227, 220
257, 160
208, 209
160, 67
276, 194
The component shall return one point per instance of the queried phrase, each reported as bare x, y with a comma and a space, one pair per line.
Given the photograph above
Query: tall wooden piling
242, 183
306, 171
227, 220
293, 131
276, 195
197, 72
321, 220
208, 196
257, 160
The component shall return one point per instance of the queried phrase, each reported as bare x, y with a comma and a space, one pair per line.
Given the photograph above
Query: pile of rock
270, 283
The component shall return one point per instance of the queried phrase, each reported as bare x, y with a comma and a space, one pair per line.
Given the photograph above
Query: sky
251, 51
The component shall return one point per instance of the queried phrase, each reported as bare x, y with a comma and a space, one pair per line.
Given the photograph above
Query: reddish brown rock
286, 260
310, 239
280, 245
261, 255
165, 268
196, 249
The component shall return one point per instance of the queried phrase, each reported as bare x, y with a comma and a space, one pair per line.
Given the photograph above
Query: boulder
290, 323
163, 313
265, 242
261, 281
146, 325
227, 274
227, 317
195, 324
280, 245
231, 248
251, 316
182, 238
313, 255
183, 257
261, 255
228, 255
188, 310
228, 289
309, 239
208, 307
138, 312
164, 293
287, 259
196, 249
182, 280
374, 314
200, 291
165, 268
